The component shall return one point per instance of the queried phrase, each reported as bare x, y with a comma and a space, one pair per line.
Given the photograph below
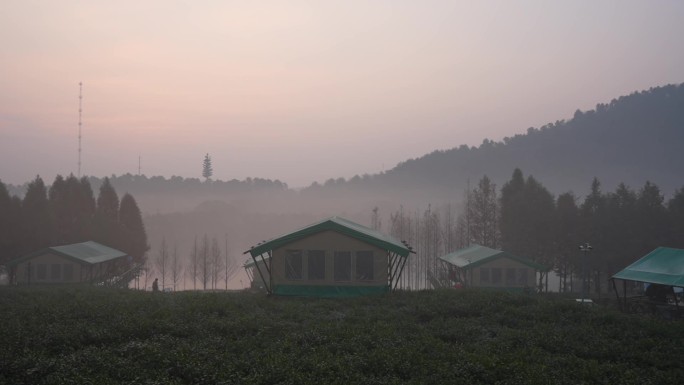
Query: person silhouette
155, 285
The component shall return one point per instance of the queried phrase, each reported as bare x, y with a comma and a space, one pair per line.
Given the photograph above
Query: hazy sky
307, 90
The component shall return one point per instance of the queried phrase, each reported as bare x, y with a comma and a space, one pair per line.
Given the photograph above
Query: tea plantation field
77, 335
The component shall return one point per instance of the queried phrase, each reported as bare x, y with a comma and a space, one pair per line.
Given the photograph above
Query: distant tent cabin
332, 258
86, 262
480, 266
662, 268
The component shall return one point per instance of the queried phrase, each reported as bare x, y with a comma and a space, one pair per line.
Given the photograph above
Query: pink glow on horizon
304, 92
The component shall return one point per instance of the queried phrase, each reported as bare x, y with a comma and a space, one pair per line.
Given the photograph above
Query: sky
304, 91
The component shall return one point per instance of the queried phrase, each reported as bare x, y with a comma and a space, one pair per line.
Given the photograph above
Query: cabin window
68, 272
484, 275
342, 266
41, 271
293, 264
316, 264
522, 277
510, 276
496, 275
364, 265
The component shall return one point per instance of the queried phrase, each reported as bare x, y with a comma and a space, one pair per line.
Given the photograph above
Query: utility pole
80, 103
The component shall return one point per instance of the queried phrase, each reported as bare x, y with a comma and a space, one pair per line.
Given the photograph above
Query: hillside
86, 335
632, 139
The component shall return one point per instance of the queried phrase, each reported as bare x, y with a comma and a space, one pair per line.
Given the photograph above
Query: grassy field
94, 336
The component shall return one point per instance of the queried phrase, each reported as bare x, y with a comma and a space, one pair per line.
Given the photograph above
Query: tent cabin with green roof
86, 262
480, 266
663, 267
332, 258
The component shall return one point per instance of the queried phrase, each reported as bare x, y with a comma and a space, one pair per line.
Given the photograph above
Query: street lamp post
585, 248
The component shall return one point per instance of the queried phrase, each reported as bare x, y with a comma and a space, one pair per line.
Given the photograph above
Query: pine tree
653, 218
5, 223
108, 201
207, 170
107, 229
567, 237
512, 210
135, 239
36, 217
484, 214
675, 209
527, 218
85, 213
73, 206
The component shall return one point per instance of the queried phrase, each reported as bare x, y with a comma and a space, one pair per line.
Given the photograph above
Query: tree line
525, 219
67, 212
142, 184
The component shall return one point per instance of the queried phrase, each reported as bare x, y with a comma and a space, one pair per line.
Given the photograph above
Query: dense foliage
525, 219
85, 335
66, 213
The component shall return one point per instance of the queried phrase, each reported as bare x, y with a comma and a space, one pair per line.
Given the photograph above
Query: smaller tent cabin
662, 269
480, 266
80, 262
332, 258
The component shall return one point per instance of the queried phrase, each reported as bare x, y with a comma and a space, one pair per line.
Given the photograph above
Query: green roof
663, 265
86, 252
339, 225
477, 255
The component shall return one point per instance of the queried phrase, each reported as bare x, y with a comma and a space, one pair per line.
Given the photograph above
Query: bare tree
204, 262
376, 223
193, 266
449, 233
216, 263
230, 265
176, 267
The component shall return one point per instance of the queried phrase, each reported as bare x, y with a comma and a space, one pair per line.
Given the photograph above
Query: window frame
364, 255
484, 275
290, 268
496, 275
41, 272
337, 255
511, 276
68, 272
55, 272
312, 255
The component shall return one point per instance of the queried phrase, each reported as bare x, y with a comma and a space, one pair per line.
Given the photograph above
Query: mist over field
391, 114
622, 151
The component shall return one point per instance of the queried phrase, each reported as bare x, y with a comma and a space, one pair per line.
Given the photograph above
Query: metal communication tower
80, 102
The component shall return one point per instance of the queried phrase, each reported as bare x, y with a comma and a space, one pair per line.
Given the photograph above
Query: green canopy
477, 255
663, 265
85, 253
340, 225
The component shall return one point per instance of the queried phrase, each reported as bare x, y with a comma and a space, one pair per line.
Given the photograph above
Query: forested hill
632, 139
